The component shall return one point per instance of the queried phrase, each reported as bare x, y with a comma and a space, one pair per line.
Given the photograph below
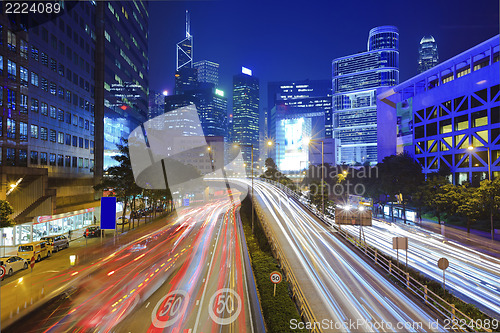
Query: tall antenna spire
188, 25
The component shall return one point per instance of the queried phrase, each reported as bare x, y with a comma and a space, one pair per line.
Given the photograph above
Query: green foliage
277, 310
5, 211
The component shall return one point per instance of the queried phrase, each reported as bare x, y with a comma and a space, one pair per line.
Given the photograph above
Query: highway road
188, 276
474, 275
344, 292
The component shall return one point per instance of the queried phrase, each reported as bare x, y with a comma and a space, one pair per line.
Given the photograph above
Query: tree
468, 203
434, 194
489, 192
269, 163
5, 211
400, 175
120, 178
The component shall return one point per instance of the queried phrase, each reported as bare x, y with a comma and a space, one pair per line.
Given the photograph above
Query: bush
277, 310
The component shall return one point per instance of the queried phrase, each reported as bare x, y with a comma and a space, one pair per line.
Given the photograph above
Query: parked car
58, 242
122, 220
13, 264
38, 250
92, 232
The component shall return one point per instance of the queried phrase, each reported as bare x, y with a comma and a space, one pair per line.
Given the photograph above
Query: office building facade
47, 121
455, 114
356, 79
245, 128
428, 56
123, 62
207, 71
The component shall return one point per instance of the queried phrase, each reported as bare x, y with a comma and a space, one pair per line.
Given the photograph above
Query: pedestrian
69, 234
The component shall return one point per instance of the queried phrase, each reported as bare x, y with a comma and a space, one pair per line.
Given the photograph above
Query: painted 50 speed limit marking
169, 309
224, 302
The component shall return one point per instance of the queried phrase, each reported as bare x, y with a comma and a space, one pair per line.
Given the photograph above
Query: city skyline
221, 29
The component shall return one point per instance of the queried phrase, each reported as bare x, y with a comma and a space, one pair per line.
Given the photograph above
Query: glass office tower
245, 129
427, 54
356, 79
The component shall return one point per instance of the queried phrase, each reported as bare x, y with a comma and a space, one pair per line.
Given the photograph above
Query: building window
34, 131
23, 131
43, 158
44, 133
60, 115
11, 40
53, 112
86, 144
479, 118
45, 35
80, 142
53, 41
11, 128
44, 109
53, 88
60, 137
61, 70
10, 157
53, 64
34, 53
67, 161
34, 79
74, 161
80, 122
91, 147
11, 99
86, 163
461, 123
68, 96
91, 165
52, 159
60, 92
23, 49
75, 120
80, 162
61, 47
68, 140
60, 160
75, 141
11, 69
53, 136
44, 84
45, 59
23, 75
34, 105
68, 118
23, 157
1, 64
33, 157
23, 104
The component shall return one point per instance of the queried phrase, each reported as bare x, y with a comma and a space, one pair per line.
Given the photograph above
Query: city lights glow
246, 71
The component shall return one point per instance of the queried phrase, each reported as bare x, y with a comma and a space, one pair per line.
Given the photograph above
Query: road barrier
456, 319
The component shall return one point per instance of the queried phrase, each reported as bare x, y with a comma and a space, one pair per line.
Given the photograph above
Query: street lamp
309, 141
236, 145
471, 148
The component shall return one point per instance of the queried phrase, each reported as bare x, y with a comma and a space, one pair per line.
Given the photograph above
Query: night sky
295, 40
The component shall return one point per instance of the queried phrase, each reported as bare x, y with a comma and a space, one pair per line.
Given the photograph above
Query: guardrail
456, 319
299, 298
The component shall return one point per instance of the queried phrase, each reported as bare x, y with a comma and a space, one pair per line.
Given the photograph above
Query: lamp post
309, 141
251, 146
472, 148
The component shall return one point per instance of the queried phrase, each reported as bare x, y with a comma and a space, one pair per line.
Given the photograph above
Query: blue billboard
108, 213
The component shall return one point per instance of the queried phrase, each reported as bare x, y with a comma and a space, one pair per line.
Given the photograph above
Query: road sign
170, 309
32, 262
108, 213
185, 202
276, 277
2, 272
400, 243
443, 263
224, 306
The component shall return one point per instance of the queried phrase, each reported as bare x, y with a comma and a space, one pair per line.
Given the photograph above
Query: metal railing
457, 319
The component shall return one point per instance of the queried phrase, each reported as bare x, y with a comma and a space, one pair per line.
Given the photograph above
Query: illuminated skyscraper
427, 54
245, 129
208, 72
356, 79
185, 48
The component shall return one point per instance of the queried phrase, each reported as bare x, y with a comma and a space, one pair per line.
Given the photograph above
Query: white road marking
147, 304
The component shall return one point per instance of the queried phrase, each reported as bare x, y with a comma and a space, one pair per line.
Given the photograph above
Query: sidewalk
478, 240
